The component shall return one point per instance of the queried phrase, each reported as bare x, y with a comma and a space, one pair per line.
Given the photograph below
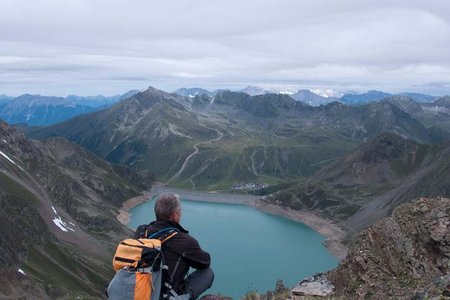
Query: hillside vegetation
58, 208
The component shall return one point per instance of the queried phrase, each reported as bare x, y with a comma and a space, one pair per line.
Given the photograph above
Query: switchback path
186, 161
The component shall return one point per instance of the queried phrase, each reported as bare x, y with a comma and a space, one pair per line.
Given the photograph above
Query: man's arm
195, 256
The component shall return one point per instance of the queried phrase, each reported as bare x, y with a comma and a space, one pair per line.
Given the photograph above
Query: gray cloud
93, 46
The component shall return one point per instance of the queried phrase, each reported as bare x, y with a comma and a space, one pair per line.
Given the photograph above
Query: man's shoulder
184, 236
183, 240
163, 226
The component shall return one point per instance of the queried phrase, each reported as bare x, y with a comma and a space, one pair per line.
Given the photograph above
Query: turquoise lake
250, 250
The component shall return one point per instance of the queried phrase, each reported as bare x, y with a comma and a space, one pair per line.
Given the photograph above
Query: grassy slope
84, 190
54, 269
371, 172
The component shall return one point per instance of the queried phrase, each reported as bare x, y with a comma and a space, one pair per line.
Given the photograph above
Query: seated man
181, 251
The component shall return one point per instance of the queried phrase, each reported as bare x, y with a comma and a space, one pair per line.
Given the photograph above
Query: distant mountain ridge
254, 91
311, 98
371, 96
5, 99
314, 97
37, 110
192, 92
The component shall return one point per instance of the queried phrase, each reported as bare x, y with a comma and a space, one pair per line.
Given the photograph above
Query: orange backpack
139, 265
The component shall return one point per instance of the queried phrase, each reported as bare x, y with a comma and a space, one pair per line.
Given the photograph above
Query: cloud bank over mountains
87, 47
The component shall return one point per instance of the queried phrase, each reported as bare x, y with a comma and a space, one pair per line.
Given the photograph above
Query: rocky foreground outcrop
404, 256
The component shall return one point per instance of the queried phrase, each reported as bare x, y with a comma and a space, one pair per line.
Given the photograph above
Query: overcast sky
60, 47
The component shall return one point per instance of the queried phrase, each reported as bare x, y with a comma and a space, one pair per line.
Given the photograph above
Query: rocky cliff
403, 256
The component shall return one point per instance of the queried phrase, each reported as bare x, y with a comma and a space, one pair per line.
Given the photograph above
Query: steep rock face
399, 256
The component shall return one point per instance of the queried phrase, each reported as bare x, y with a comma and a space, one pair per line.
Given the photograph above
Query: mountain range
213, 142
314, 97
374, 95
37, 110
350, 163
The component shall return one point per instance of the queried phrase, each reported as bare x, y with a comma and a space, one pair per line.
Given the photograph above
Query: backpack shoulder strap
141, 232
167, 237
160, 232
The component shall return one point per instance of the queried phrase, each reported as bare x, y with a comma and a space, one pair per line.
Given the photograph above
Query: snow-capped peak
326, 93
286, 92
283, 90
254, 90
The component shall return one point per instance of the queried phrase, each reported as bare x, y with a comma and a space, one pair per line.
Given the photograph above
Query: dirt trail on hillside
193, 154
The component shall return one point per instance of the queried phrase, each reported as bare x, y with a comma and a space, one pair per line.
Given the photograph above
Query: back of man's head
166, 205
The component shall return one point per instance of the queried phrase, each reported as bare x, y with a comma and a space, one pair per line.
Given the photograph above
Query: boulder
315, 285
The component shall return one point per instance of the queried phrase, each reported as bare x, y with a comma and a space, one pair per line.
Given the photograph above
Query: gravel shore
333, 232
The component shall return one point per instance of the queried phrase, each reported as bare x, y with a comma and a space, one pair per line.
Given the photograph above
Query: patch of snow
285, 92
54, 210
61, 224
29, 114
6, 156
58, 222
21, 271
72, 224
320, 93
4, 141
192, 96
326, 93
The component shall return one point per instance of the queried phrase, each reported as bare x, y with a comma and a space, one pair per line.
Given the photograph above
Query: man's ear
173, 216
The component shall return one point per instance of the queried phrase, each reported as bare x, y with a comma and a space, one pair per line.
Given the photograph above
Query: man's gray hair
166, 205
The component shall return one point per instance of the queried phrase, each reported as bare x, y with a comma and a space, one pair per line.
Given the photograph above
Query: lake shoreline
333, 233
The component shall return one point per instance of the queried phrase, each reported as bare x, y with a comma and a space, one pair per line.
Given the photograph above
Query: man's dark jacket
182, 249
